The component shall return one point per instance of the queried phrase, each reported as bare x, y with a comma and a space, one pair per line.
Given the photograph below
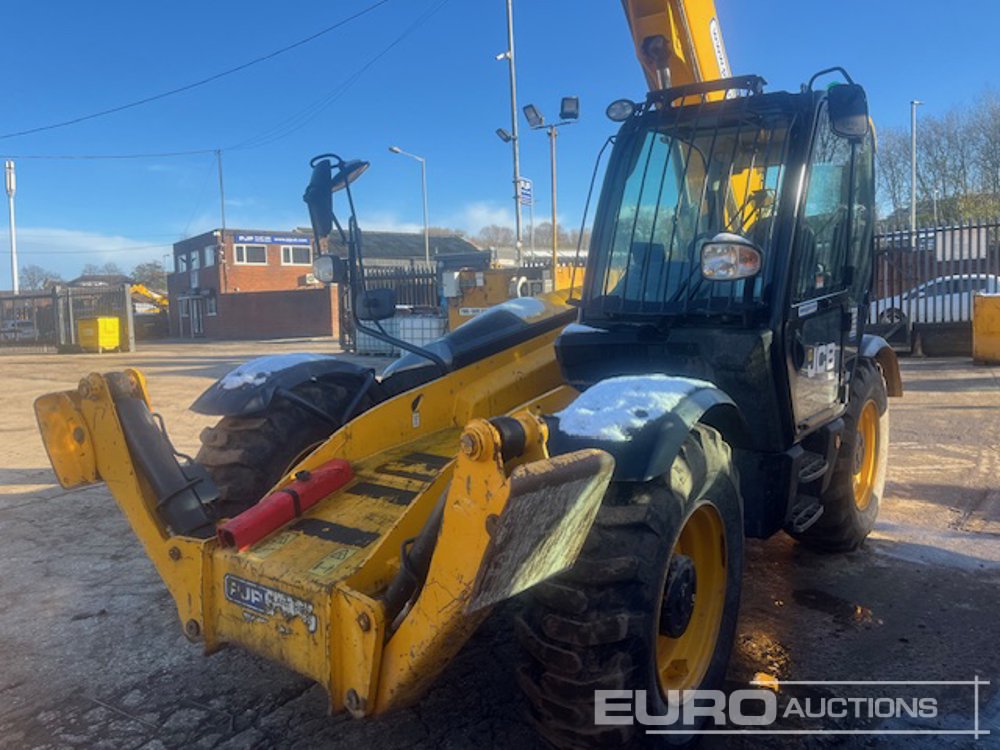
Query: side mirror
729, 257
375, 304
347, 173
848, 109
330, 269
319, 198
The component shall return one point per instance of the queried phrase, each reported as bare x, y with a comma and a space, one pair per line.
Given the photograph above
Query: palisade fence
927, 280
47, 320
416, 286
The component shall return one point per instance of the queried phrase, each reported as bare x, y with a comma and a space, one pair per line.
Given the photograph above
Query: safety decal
267, 601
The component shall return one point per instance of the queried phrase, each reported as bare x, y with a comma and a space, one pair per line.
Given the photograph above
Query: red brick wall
254, 278
279, 314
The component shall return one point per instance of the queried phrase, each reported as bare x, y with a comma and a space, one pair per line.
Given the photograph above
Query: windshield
684, 183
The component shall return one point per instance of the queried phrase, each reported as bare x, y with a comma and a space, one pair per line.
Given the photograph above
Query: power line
195, 84
306, 115
151, 155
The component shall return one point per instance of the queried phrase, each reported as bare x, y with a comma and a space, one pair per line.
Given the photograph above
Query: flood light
534, 117
570, 108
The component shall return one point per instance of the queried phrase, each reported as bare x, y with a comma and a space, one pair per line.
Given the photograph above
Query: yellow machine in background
469, 293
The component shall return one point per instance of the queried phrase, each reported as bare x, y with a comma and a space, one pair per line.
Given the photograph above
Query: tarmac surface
91, 653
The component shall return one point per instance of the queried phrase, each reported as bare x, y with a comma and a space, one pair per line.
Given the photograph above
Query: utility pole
10, 178
222, 192
515, 144
913, 171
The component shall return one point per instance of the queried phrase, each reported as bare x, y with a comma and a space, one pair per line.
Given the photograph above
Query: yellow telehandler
604, 453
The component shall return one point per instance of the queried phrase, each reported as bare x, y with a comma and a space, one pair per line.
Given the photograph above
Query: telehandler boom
711, 380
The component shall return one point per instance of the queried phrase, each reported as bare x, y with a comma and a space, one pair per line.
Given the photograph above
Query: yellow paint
693, 37
863, 477
986, 328
324, 619
484, 289
98, 334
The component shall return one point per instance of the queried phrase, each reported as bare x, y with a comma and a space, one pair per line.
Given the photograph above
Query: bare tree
496, 236
151, 274
34, 277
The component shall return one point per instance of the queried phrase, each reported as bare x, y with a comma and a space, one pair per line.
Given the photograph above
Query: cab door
831, 267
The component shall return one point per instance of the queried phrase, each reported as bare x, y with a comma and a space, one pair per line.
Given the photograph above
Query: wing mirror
729, 257
848, 108
319, 198
375, 304
330, 269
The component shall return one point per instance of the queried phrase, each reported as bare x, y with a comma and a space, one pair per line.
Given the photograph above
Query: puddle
843, 612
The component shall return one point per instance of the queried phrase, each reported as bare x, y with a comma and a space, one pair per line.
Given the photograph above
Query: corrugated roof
405, 245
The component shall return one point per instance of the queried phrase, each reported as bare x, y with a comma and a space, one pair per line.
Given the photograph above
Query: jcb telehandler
607, 455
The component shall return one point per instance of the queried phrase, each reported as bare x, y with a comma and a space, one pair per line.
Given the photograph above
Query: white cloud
474, 216
66, 251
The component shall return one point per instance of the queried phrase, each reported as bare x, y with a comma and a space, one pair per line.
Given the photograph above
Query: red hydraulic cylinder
288, 503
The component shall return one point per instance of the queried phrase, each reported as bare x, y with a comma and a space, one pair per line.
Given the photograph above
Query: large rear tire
650, 605
851, 501
246, 456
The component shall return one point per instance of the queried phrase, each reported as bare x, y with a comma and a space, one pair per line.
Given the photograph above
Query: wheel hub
678, 596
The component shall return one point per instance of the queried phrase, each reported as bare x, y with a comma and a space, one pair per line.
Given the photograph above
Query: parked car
946, 299
18, 330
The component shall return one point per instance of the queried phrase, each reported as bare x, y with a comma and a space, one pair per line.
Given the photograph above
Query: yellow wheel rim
866, 449
682, 661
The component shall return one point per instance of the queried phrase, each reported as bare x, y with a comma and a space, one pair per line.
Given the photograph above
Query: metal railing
928, 279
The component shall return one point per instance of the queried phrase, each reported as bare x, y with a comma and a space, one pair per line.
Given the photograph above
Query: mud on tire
596, 626
247, 455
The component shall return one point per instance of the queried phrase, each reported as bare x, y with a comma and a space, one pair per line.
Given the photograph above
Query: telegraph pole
10, 179
913, 171
222, 192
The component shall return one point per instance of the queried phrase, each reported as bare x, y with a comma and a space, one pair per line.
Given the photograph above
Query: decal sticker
821, 360
272, 545
329, 564
267, 601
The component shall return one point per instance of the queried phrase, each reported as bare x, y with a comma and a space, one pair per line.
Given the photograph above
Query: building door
197, 317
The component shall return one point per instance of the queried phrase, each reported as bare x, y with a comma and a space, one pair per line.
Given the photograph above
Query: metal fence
415, 284
927, 280
47, 320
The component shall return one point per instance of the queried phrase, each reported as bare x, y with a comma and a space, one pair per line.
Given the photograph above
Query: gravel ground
91, 654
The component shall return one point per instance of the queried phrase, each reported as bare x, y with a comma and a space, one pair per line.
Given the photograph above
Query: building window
195, 260
251, 255
209, 253
181, 262
211, 305
185, 307
292, 255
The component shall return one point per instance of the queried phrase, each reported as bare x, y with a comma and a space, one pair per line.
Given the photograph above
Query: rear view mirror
319, 198
848, 108
375, 304
330, 269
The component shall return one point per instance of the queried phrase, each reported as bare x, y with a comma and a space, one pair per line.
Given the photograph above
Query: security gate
926, 280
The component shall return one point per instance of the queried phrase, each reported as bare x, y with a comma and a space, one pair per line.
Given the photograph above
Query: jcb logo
821, 359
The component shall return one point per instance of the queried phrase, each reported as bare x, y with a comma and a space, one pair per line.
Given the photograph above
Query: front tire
247, 455
650, 605
851, 501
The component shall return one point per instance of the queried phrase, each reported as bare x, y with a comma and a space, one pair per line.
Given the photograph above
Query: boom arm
677, 41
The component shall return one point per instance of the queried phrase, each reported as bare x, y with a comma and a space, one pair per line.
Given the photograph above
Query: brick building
240, 283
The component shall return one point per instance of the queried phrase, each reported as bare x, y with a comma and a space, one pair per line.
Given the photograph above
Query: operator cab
733, 243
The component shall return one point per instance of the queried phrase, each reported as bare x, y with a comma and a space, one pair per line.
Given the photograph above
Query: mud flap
547, 518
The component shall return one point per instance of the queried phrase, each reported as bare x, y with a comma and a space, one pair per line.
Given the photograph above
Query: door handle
798, 351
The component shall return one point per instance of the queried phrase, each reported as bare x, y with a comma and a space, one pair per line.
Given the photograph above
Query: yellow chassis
308, 595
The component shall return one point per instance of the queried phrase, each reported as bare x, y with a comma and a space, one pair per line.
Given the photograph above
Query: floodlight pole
512, 70
553, 134
10, 180
913, 171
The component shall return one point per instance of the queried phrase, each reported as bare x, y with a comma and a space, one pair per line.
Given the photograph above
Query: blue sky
439, 93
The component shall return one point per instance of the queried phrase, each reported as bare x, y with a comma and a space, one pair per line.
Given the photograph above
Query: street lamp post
569, 112
913, 171
423, 188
